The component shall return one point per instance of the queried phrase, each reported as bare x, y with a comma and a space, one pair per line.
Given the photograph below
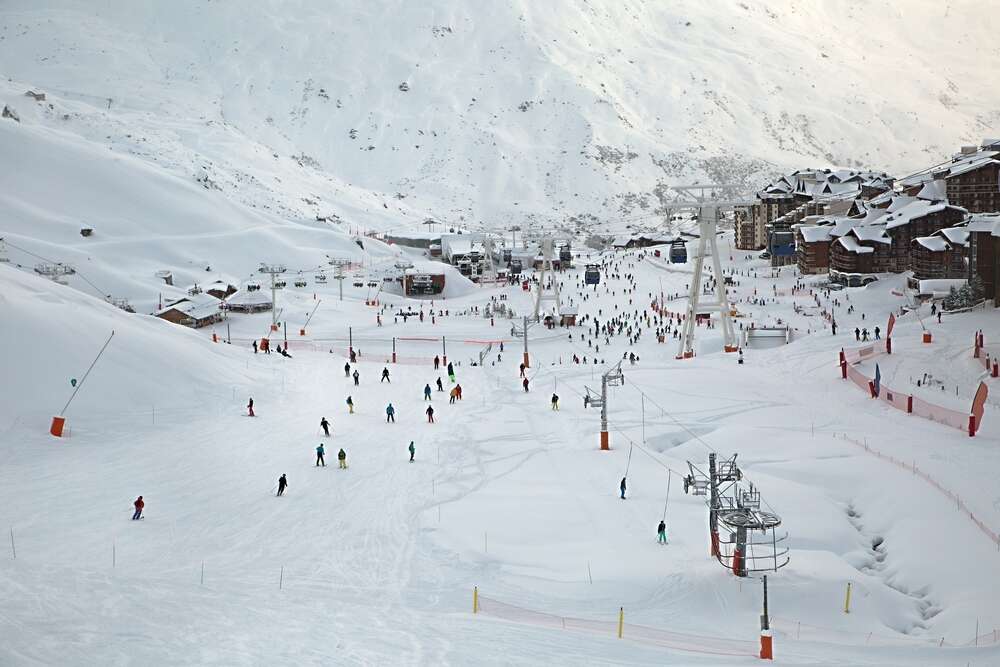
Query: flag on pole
878, 379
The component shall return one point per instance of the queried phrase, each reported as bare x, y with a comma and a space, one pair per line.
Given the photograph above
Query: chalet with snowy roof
984, 253
971, 178
936, 258
196, 311
914, 219
802, 193
862, 250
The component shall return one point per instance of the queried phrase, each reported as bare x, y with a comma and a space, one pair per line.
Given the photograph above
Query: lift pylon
707, 248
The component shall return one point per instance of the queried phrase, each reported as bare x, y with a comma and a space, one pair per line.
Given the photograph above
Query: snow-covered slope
54, 334
384, 113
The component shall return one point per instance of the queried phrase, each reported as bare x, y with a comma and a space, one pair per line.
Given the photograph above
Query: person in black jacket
282, 483
622, 487
325, 426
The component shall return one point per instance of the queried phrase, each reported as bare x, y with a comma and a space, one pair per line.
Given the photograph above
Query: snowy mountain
497, 113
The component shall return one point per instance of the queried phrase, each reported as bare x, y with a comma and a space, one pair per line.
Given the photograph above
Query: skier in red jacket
138, 508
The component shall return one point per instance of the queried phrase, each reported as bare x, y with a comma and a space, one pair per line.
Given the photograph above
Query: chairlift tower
613, 378
734, 511
55, 272
707, 248
547, 294
339, 263
274, 270
490, 273
523, 333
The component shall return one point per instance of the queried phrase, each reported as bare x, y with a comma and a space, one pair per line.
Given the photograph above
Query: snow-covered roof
956, 235
985, 222
960, 164
197, 306
939, 286
426, 271
247, 298
823, 183
815, 233
933, 243
871, 233
936, 189
851, 245
917, 208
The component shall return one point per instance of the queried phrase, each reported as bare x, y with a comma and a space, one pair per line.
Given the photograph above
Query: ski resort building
195, 311
249, 301
984, 253
913, 219
971, 179
423, 282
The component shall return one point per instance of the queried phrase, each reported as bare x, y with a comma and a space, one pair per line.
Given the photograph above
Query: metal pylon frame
707, 247
547, 294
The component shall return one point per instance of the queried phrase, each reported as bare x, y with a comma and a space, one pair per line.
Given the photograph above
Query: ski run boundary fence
912, 467
907, 403
784, 630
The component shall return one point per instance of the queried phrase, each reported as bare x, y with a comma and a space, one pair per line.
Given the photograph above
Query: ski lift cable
50, 261
665, 502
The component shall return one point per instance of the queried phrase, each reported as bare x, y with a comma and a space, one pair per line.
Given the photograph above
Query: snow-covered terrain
204, 138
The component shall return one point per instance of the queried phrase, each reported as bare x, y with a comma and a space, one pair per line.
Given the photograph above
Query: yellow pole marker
621, 622
847, 599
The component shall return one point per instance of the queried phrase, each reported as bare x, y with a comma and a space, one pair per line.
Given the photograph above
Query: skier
661, 532
427, 392
325, 425
439, 385
586, 401
250, 407
430, 414
385, 376
282, 483
350, 405
622, 487
458, 391
740, 360
320, 451
437, 362
524, 384
857, 334
356, 377
522, 370
342, 459
139, 504
254, 342
451, 373
390, 414
555, 402
413, 451
347, 369
878, 333
452, 395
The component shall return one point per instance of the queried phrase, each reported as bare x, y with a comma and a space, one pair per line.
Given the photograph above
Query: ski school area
507, 535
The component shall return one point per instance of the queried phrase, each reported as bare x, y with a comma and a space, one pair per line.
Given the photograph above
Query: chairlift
300, 283
696, 482
728, 471
515, 267
320, 277
592, 274
280, 284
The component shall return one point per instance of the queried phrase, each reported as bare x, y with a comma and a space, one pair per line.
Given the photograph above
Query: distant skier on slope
350, 405
385, 376
661, 532
390, 414
342, 459
282, 483
320, 451
357, 377
138, 504
622, 487
430, 414
440, 385
555, 402
347, 369
325, 425
427, 392
250, 408
524, 383
413, 451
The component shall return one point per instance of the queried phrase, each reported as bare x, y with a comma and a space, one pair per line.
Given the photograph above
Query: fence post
621, 622
847, 599
909, 404
475, 599
972, 426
